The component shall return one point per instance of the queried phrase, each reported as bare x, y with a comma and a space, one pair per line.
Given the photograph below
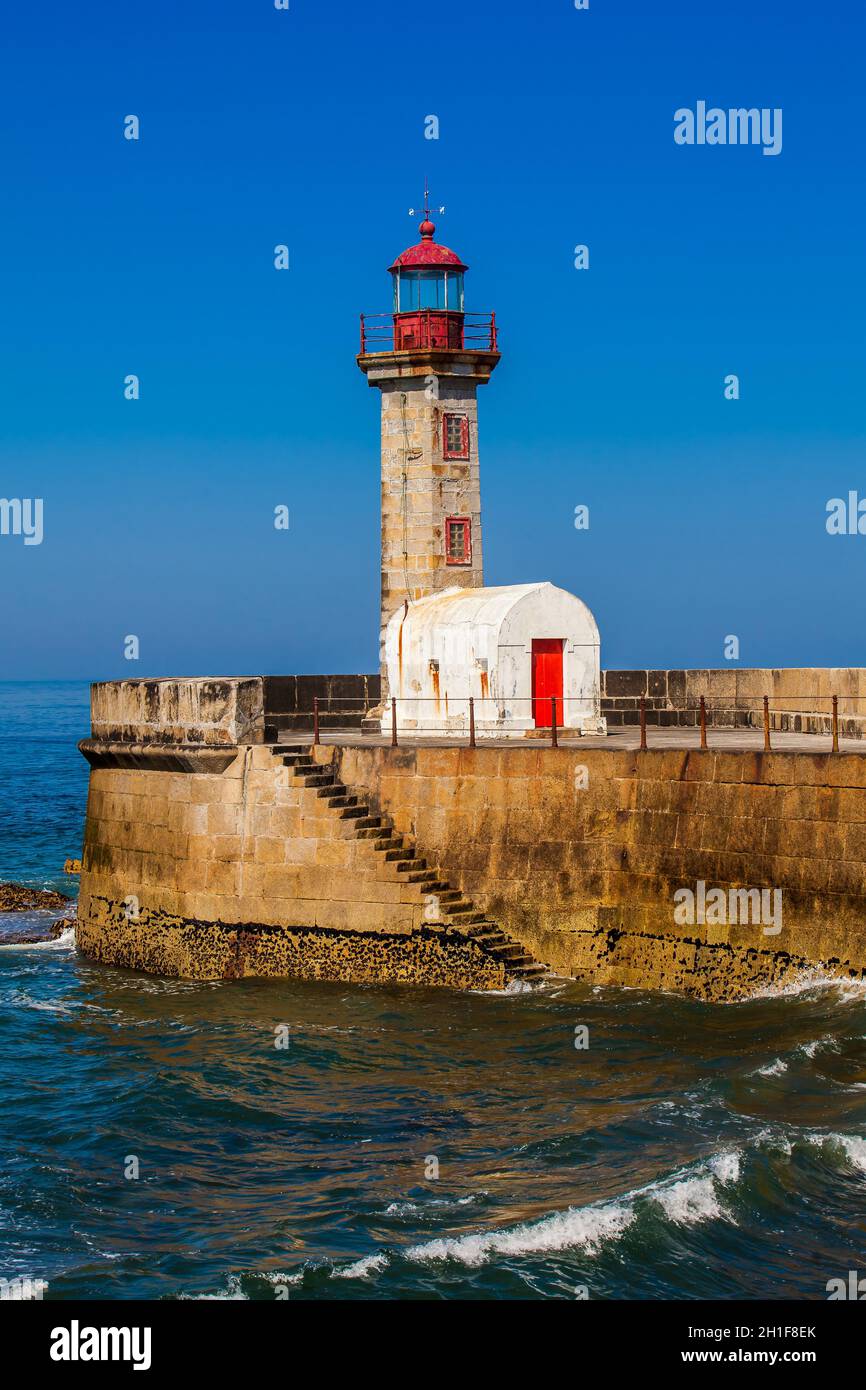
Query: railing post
493, 347
393, 722
767, 745
363, 337
643, 747
553, 738
315, 720
703, 723
471, 721
835, 723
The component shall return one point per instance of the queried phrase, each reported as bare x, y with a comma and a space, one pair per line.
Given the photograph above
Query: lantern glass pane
408, 291
433, 291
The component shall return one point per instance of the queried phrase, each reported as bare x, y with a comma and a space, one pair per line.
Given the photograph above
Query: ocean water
43, 780
158, 1140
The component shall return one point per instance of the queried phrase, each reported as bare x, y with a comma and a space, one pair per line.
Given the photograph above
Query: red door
546, 679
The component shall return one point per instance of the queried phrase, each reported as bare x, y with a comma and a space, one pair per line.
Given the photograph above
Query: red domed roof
428, 254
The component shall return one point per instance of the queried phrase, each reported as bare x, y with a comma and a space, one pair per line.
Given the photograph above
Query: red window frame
465, 523
463, 451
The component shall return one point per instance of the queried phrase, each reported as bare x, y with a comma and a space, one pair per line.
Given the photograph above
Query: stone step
456, 911
511, 952
465, 912
528, 972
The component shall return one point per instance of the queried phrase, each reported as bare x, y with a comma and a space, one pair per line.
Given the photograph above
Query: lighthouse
508, 659
427, 358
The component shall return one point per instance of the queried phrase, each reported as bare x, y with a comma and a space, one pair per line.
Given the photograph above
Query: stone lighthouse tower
427, 358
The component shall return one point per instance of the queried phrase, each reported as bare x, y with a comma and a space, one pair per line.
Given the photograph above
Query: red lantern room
428, 304
428, 295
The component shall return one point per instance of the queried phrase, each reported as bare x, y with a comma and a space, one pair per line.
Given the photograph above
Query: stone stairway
455, 911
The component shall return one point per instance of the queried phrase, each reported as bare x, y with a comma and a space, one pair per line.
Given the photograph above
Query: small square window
455, 436
458, 540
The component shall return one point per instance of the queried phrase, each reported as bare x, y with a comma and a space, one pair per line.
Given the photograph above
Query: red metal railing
430, 329
549, 715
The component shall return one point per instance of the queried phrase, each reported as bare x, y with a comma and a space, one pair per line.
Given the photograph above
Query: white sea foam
361, 1269
64, 942
852, 1147
585, 1228
772, 1068
772, 1138
408, 1208
689, 1200
56, 1006
809, 980
279, 1279
46, 1006
810, 1048
516, 987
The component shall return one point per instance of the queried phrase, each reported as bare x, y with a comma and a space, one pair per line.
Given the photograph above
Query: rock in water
16, 897
42, 916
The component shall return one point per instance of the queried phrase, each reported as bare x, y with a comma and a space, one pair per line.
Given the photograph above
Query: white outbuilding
521, 652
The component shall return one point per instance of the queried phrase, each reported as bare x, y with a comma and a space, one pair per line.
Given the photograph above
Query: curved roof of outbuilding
490, 606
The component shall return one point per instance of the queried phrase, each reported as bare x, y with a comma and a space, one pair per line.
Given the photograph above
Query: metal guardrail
435, 329
555, 707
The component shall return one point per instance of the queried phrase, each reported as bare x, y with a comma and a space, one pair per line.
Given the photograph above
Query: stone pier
212, 853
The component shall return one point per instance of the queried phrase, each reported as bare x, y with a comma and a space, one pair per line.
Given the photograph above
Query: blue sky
306, 127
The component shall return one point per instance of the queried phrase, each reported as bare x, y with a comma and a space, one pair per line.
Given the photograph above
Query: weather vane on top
413, 212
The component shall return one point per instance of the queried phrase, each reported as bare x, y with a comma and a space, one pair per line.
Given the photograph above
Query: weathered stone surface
164, 944
172, 861
800, 698
194, 711
552, 863
582, 873
420, 486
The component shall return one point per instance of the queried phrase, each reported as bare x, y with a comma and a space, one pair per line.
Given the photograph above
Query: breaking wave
64, 942
685, 1200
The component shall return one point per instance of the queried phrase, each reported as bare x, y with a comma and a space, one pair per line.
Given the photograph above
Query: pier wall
247, 871
578, 853
239, 868
257, 709
801, 698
